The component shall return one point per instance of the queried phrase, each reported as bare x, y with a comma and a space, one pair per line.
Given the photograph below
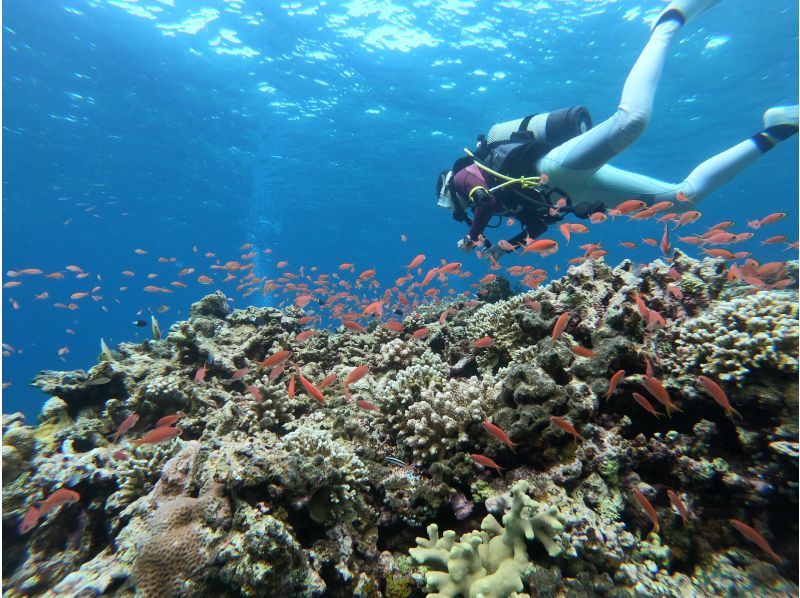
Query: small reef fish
168, 420
560, 422
415, 262
713, 389
678, 504
356, 374
275, 359
646, 404
485, 461
240, 373
648, 508
60, 497
140, 323
581, 351
421, 333
255, 393
290, 389
366, 405
759, 540
309, 387
655, 388
484, 342
105, 352
618, 377
327, 381
154, 328
200, 374
395, 461
498, 433
126, 425
558, 328
159, 435
304, 336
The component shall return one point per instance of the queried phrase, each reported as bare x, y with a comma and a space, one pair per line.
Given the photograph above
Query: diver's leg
597, 146
614, 185
780, 123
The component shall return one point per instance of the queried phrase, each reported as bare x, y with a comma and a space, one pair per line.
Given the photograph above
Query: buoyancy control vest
513, 148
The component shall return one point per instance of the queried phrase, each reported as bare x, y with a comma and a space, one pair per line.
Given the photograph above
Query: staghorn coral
758, 331
493, 561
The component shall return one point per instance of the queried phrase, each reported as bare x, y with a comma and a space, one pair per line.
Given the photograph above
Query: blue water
317, 130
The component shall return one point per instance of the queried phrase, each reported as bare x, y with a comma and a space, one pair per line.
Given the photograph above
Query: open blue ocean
347, 395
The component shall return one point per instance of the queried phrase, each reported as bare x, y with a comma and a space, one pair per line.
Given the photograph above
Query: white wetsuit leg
612, 185
571, 163
579, 166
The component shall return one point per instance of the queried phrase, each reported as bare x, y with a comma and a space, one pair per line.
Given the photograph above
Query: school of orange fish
354, 301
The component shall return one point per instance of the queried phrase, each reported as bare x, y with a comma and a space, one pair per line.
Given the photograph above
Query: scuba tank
549, 129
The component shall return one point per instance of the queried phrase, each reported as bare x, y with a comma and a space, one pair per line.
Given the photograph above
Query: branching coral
732, 338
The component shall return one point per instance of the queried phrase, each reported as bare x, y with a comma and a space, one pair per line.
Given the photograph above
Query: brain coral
734, 337
174, 550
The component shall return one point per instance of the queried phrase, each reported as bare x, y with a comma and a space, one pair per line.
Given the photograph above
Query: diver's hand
586, 208
465, 244
495, 252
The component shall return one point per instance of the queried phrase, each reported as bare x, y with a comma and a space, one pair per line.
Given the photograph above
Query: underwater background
313, 415
318, 130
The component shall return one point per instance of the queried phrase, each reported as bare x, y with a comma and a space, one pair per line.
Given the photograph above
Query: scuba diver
572, 158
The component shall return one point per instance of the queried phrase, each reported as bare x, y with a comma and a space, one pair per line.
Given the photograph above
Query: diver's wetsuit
579, 166
470, 177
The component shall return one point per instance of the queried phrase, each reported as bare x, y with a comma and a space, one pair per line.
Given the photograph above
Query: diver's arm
484, 210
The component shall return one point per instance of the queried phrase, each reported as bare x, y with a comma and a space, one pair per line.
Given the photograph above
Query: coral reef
268, 491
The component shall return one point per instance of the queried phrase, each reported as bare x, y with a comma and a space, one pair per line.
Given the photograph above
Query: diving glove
465, 244
586, 208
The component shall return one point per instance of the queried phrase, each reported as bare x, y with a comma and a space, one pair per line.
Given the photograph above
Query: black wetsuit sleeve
483, 213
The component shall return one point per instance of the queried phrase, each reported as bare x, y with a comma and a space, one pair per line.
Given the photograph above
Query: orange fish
366, 405
678, 504
415, 262
628, 244
488, 278
618, 377
309, 387
356, 374
498, 433
304, 336
630, 206
327, 381
30, 520
566, 426
159, 435
429, 276
394, 326
12, 283
772, 218
126, 425
646, 404
355, 326
240, 373
421, 333
486, 462
486, 341
276, 358
648, 508
203, 279
560, 325
655, 388
759, 540
290, 389
366, 275
534, 305
255, 393
581, 351
718, 395
200, 374
168, 420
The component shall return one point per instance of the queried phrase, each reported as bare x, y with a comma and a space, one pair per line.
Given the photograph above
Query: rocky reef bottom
618, 432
